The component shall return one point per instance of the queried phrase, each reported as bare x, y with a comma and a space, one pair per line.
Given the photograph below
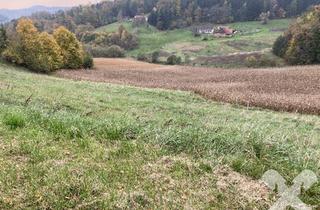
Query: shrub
11, 55
260, 61
280, 46
142, 57
115, 51
266, 61
251, 61
173, 60
205, 38
88, 61
155, 57
106, 52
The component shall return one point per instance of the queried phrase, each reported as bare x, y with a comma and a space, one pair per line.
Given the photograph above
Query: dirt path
294, 89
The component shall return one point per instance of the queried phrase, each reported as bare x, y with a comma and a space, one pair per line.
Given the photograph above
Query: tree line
169, 14
301, 43
42, 52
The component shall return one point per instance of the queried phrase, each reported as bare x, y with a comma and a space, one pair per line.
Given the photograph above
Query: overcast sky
15, 4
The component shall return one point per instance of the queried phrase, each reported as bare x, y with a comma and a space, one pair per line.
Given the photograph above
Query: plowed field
293, 89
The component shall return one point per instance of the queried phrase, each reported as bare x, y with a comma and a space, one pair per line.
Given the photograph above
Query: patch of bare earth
293, 89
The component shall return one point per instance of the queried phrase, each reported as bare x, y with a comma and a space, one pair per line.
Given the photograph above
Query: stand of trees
3, 39
121, 38
169, 14
301, 43
41, 51
109, 44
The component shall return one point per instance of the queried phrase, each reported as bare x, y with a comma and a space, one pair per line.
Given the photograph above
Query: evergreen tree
3, 39
153, 17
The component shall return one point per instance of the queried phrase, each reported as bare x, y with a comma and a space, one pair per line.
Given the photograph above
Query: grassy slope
253, 37
90, 145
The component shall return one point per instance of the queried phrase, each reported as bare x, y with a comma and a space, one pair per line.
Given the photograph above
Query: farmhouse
139, 20
219, 31
223, 31
205, 30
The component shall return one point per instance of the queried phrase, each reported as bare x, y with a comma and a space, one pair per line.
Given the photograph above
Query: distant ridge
10, 14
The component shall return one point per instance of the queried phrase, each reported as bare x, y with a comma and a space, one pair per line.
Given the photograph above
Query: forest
170, 14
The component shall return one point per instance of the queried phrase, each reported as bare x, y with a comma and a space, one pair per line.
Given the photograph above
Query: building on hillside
140, 20
223, 31
219, 31
205, 30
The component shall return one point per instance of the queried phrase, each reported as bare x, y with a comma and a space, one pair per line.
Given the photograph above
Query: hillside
252, 39
68, 144
10, 14
166, 14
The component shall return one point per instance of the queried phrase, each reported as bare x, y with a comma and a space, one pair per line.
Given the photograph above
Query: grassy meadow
85, 145
252, 37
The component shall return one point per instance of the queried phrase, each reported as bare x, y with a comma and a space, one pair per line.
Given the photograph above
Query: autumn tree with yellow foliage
43, 52
71, 48
49, 53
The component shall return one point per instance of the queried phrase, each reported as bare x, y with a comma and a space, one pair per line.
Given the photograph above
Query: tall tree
28, 36
49, 56
71, 48
3, 39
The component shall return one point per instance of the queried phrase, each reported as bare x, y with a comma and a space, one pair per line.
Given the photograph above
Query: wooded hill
169, 14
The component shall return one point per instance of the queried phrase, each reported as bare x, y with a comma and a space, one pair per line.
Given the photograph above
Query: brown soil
294, 89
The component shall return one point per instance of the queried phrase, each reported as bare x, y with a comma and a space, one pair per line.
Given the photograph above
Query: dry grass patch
184, 183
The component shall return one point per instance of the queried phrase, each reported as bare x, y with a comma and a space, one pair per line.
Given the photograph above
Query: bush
88, 61
173, 60
115, 51
105, 52
142, 57
205, 38
155, 57
260, 61
251, 61
11, 55
280, 46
